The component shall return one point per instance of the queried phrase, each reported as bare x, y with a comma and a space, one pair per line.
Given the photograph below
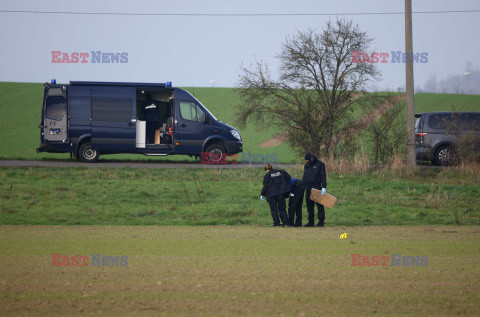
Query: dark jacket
314, 174
150, 111
276, 182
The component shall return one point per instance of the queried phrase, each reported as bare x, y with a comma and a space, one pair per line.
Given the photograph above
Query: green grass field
20, 111
126, 196
241, 270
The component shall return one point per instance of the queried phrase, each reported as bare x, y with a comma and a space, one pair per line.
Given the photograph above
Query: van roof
121, 84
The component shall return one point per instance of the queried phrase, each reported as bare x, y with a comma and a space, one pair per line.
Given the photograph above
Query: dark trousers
151, 128
277, 205
311, 207
295, 203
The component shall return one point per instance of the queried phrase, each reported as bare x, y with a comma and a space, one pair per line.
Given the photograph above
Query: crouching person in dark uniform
275, 188
314, 176
297, 189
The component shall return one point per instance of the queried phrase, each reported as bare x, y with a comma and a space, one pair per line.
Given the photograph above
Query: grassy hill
20, 110
426, 102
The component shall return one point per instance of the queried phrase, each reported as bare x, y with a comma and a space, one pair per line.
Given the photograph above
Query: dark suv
441, 136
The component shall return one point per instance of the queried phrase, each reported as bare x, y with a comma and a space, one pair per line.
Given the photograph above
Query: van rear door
55, 115
113, 118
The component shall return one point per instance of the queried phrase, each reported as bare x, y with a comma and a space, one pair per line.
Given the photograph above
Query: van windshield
205, 108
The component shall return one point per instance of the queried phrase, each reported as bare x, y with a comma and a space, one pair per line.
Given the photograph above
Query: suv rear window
418, 123
464, 121
472, 121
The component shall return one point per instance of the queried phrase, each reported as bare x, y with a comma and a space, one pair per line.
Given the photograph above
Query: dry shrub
398, 166
469, 143
396, 163
467, 170
359, 164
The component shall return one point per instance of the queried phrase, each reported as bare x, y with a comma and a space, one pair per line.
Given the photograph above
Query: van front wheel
216, 152
87, 154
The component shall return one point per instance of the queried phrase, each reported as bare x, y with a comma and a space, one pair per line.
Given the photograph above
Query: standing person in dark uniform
314, 176
275, 187
150, 113
295, 202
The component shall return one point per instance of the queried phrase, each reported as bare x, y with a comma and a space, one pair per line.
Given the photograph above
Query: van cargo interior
156, 109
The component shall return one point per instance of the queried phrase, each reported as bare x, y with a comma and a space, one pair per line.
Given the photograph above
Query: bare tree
319, 86
467, 82
431, 84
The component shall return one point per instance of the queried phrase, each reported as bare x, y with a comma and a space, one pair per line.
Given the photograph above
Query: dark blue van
87, 119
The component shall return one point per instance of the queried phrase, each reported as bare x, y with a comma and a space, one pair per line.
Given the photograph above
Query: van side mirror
207, 120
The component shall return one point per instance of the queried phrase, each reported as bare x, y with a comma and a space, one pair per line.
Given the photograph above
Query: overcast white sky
193, 50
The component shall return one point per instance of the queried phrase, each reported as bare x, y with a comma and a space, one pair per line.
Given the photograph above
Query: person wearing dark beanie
314, 176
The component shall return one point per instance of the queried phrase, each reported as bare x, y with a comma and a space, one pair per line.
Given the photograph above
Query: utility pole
411, 159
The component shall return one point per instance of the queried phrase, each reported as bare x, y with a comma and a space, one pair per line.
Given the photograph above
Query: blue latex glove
261, 197
324, 191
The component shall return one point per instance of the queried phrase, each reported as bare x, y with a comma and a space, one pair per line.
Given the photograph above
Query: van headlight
236, 135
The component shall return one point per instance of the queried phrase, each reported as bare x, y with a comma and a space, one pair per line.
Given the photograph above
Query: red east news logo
82, 260
63, 260
383, 260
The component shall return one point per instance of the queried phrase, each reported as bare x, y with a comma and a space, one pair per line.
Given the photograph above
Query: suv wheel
87, 154
445, 156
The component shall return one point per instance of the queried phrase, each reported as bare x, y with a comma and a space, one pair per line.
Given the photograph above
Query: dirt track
115, 164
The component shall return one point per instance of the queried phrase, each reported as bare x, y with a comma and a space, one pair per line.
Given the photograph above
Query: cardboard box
326, 200
157, 136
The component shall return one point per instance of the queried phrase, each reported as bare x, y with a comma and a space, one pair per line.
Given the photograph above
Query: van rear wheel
87, 154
